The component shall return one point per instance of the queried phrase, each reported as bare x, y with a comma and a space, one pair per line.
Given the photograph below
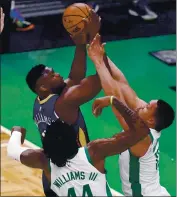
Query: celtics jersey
79, 177
140, 176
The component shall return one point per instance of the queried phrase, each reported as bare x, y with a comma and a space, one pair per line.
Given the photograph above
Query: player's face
148, 111
151, 107
50, 80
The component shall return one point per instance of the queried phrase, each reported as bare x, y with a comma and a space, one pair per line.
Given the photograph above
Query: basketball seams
80, 9
75, 24
87, 10
73, 15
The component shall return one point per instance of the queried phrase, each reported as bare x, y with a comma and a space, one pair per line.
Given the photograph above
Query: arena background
129, 44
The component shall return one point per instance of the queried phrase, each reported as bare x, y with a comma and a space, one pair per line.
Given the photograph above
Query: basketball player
77, 171
58, 98
139, 165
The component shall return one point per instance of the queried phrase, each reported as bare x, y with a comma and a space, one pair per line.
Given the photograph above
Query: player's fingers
85, 21
94, 106
87, 46
92, 43
97, 111
102, 46
97, 40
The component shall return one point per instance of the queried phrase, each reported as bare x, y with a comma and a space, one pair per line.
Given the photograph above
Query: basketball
73, 16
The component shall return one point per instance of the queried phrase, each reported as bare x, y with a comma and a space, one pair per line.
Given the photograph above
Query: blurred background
141, 40
37, 24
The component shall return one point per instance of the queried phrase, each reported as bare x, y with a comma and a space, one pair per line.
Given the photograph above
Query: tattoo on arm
120, 142
132, 119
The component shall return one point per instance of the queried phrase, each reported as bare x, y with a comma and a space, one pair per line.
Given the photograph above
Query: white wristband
14, 148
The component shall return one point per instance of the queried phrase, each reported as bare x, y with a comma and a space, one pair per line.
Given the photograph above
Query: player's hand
2, 15
82, 36
99, 104
96, 50
94, 24
21, 130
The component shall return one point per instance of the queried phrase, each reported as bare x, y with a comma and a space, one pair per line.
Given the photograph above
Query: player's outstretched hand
99, 104
96, 50
21, 130
94, 24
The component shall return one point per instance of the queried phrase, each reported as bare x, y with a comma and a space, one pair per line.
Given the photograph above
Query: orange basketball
73, 15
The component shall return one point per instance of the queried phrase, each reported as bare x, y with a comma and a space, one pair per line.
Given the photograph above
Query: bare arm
29, 156
33, 158
113, 70
84, 92
140, 148
122, 141
78, 69
112, 85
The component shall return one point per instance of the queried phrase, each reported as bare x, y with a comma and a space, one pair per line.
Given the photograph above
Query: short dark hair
60, 143
164, 115
33, 75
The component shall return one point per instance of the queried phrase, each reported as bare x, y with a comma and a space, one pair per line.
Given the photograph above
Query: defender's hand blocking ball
79, 18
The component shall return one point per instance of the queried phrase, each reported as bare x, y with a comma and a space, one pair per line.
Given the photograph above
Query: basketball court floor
149, 77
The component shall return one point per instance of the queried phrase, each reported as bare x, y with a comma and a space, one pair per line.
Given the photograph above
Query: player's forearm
115, 72
25, 155
78, 69
120, 119
134, 122
107, 82
92, 86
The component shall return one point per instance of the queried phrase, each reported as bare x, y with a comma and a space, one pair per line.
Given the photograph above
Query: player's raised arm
122, 141
78, 69
112, 79
82, 93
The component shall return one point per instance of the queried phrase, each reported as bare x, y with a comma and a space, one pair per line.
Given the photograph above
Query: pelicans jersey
44, 114
140, 176
79, 177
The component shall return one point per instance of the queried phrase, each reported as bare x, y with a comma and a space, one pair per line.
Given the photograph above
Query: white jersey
79, 177
140, 176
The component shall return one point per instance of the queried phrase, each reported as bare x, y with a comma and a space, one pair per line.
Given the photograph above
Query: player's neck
145, 119
43, 96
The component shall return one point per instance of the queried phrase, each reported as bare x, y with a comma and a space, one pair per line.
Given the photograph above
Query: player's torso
140, 176
79, 178
44, 114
